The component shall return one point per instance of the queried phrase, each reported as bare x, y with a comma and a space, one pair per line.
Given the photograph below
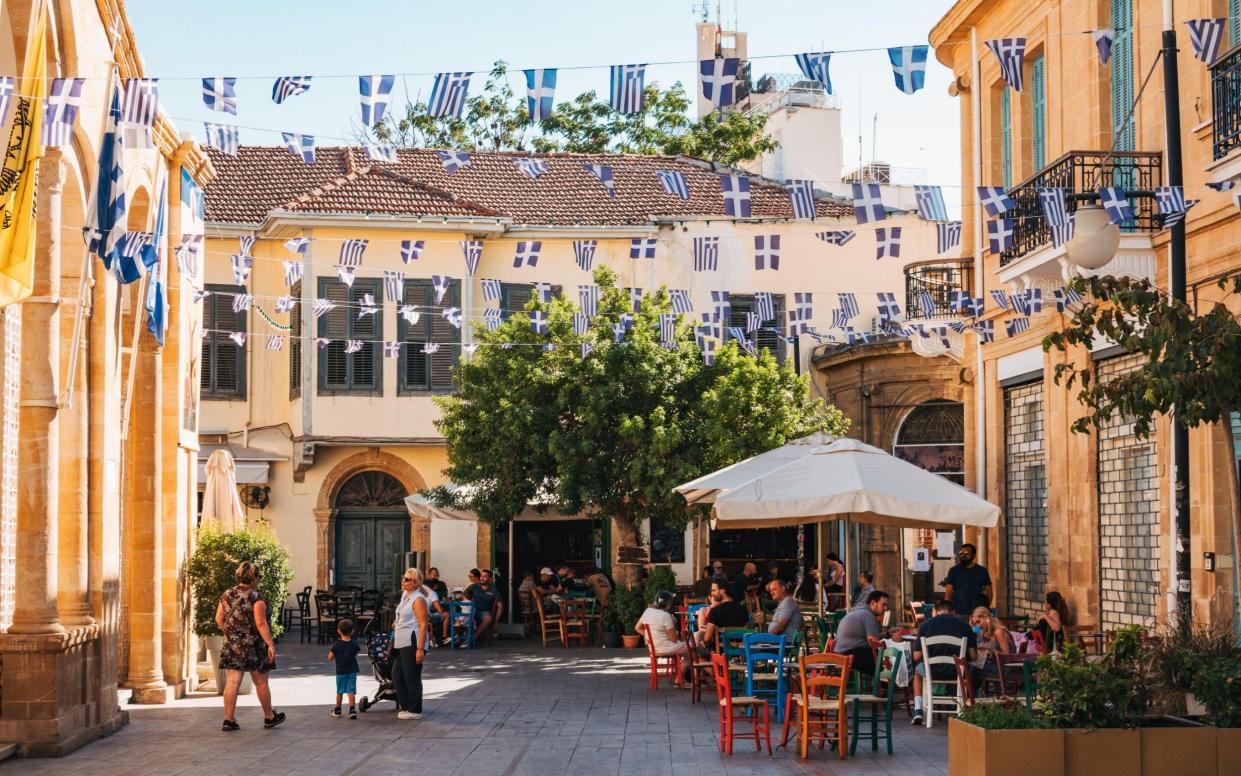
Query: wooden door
355, 552
391, 543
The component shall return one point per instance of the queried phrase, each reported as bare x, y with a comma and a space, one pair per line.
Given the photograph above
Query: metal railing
939, 279
1082, 172
1226, 103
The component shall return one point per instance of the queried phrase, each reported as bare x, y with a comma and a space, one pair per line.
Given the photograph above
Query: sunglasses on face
408, 579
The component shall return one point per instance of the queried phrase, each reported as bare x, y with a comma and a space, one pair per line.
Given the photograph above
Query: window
1025, 497
514, 296
422, 371
1006, 135
1234, 37
295, 343
768, 340
341, 372
1038, 112
223, 360
667, 543
1122, 76
932, 437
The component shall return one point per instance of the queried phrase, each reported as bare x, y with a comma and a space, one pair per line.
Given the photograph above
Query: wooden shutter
1122, 75
1006, 135
295, 343
449, 339
1234, 22
223, 365
1038, 112
365, 367
767, 340
514, 297
334, 325
413, 366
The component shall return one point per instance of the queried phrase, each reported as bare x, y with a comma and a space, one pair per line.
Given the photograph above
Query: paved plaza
512, 708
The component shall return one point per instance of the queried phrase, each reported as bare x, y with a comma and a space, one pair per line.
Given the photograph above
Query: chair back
303, 602
325, 604
887, 667
691, 616
1010, 667
824, 676
965, 679
538, 604
525, 604
732, 642
941, 657
645, 631
719, 673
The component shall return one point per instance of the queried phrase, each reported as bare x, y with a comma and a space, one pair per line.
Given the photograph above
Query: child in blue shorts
345, 653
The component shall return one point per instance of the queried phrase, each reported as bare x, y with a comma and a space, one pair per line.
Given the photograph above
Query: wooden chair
550, 625
326, 614
764, 668
939, 702
699, 669
301, 618
525, 606
732, 647
819, 703
735, 709
880, 699
575, 622
668, 665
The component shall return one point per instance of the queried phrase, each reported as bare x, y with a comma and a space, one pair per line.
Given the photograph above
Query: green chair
1030, 680
732, 645
886, 666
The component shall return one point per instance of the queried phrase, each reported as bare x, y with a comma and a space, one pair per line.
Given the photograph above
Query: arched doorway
933, 438
372, 532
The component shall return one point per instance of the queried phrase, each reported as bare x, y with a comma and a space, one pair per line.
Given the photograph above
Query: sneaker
416, 715
276, 719
336, 712
402, 714
917, 718
230, 726
353, 713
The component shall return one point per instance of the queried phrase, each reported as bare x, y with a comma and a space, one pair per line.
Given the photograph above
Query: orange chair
669, 665
820, 703
738, 708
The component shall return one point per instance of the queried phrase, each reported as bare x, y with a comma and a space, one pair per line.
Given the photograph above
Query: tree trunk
624, 534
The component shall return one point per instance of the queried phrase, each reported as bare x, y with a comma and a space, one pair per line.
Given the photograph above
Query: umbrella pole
801, 553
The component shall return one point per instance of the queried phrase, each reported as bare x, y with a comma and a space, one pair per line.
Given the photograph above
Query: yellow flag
19, 177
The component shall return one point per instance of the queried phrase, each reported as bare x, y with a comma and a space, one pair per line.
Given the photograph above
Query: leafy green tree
613, 433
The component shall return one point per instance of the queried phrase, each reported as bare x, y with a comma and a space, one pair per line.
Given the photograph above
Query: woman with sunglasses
411, 631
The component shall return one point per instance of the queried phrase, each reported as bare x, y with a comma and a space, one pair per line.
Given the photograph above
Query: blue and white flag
960, 301
706, 254
584, 253
587, 348
394, 286
948, 235
985, 331
374, 92
323, 306
1119, 208
410, 313
718, 80
721, 306
345, 275
803, 311
156, 303
245, 244
767, 251
847, 302
815, 68
448, 94
242, 302
411, 250
453, 316
1001, 298
604, 173
995, 201
367, 306
493, 316
888, 242
1062, 233
639, 248
889, 310
141, 101
868, 203
7, 86
1051, 200
60, 112
472, 251
668, 328
1000, 233
453, 160
736, 191
1205, 35
707, 346
680, 301
930, 203
1015, 326
1020, 302
764, 307
1066, 296
218, 94
382, 152
628, 88
838, 237
673, 182
492, 289
542, 292
908, 67
430, 348
588, 299
392, 349
1103, 42
1220, 185
351, 252
635, 300
1011, 53
801, 195
441, 284
275, 342
292, 272
241, 266
840, 319
530, 166
289, 86
1033, 300
527, 253
540, 93
1172, 219
106, 219
926, 303
1170, 199
581, 323
300, 145
297, 245
353, 345
538, 321
285, 304
710, 326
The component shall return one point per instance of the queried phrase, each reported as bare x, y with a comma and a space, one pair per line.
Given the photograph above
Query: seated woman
993, 639
665, 636
1051, 622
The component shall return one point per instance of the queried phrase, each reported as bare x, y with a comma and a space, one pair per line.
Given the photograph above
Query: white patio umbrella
220, 501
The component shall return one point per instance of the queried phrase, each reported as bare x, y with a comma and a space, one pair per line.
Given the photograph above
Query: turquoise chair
691, 616
461, 634
764, 667
887, 664
732, 646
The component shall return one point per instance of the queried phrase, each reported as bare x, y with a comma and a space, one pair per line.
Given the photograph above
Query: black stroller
381, 665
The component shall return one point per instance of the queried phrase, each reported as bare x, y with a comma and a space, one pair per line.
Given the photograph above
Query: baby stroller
381, 665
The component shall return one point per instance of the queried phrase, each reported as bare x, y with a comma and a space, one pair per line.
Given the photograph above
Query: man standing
968, 584
786, 619
943, 623
854, 632
746, 580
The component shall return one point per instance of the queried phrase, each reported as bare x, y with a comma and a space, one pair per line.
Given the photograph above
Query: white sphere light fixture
1095, 238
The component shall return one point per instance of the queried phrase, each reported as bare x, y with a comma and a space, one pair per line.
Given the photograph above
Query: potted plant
211, 571
623, 610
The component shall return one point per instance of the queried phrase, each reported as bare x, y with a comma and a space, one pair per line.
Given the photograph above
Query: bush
623, 609
212, 570
997, 716
1201, 659
1217, 686
660, 578
1110, 693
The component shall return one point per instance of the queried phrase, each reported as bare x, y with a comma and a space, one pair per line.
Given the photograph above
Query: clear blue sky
258, 40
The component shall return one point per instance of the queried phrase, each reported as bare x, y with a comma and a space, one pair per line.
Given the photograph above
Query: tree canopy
611, 433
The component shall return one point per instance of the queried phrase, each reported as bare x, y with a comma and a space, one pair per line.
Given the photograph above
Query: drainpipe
980, 406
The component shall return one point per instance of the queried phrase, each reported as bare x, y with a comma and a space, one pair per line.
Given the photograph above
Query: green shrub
623, 609
1201, 659
1217, 686
1110, 693
998, 716
660, 578
212, 570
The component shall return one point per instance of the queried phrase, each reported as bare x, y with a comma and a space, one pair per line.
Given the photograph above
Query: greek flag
367, 306
618, 332
667, 328
1066, 296
1015, 326
288, 86
540, 92
840, 319
245, 244
530, 166
803, 311
908, 67
718, 79
639, 248
374, 91
492, 289
493, 317
995, 201
394, 286
888, 241
453, 160
1103, 41
61, 111
300, 145
453, 316
1033, 300
1172, 219
588, 299
238, 338
837, 238
801, 194
1205, 35
469, 348
219, 94
345, 275
1119, 208
411, 250
707, 346
587, 347
960, 301
738, 333
721, 305
581, 323
430, 348
542, 292
285, 304
889, 310
106, 219
628, 88
297, 245
985, 331
736, 191
673, 182
710, 326
868, 203
815, 68
323, 306
680, 301
1054, 209
538, 321
7, 84
848, 304
706, 254
136, 255
604, 174
527, 253
223, 137
351, 251
448, 94
764, 306
1011, 53
188, 253
584, 253
141, 101
1170, 199
635, 299
1000, 234
241, 268
948, 234
410, 313
392, 349
766, 251
1001, 298
322, 342
441, 284
1062, 233
472, 250
1220, 185
930, 202
242, 302
382, 152
292, 272
275, 342
926, 303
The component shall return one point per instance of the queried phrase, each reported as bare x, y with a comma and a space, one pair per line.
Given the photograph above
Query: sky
335, 42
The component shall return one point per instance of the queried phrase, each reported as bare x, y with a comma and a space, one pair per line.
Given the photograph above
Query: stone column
38, 487
323, 547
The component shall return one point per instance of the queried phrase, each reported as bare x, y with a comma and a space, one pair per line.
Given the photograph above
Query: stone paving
509, 708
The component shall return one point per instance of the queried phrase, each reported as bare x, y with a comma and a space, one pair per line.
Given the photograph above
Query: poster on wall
189, 260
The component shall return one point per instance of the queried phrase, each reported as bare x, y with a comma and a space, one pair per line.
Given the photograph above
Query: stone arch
912, 397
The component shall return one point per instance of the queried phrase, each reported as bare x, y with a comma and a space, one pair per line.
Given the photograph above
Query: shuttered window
223, 360
1006, 136
767, 340
1234, 36
513, 298
1122, 76
428, 371
295, 343
1038, 113
360, 372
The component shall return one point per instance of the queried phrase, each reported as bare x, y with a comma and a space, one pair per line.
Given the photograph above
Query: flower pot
214, 645
611, 640
631, 642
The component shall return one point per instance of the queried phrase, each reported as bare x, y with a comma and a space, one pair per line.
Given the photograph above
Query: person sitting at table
726, 612
943, 623
855, 630
570, 581
437, 612
484, 601
746, 582
993, 639
434, 582
665, 636
1051, 622
866, 586
717, 572
547, 588
702, 587
808, 590
786, 619
773, 572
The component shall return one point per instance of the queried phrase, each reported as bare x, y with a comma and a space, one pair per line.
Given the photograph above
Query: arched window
933, 438
371, 490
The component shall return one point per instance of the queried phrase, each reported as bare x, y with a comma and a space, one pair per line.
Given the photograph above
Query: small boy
345, 653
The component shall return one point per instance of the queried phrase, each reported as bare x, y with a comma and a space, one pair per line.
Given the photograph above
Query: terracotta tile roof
343, 180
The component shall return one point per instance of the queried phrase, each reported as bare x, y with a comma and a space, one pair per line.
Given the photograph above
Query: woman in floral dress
248, 646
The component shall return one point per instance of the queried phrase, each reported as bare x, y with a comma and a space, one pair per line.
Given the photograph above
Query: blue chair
732, 646
691, 616
764, 667
461, 625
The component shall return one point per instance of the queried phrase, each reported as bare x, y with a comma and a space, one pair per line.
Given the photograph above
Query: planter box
1173, 751
1103, 751
1229, 745
973, 751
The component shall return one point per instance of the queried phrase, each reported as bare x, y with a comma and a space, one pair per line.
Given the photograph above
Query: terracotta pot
631, 642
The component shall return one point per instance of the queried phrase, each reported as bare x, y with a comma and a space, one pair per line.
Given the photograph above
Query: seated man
487, 604
943, 623
725, 613
786, 619
434, 582
547, 589
437, 612
859, 625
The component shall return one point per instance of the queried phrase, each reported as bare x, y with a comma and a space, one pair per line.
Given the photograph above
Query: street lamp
1095, 238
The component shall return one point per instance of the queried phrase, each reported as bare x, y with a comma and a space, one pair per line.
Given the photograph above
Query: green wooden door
369, 550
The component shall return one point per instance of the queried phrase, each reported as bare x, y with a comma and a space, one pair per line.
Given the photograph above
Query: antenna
874, 130
703, 9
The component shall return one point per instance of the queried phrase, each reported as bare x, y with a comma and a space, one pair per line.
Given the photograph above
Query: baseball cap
545, 570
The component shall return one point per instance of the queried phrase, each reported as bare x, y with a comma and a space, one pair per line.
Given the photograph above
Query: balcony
940, 279
1226, 117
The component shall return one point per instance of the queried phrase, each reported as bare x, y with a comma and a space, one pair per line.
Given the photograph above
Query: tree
610, 434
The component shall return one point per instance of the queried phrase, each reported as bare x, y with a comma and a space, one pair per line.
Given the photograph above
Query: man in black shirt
434, 582
968, 584
744, 582
943, 623
722, 616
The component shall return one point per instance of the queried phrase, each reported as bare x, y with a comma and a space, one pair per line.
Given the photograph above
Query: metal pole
1176, 284
980, 387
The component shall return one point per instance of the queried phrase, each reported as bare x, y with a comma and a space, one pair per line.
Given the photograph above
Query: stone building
98, 425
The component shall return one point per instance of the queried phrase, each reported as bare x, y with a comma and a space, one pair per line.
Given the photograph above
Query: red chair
669, 665
741, 708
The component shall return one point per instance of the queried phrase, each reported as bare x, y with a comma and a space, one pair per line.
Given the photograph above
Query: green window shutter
223, 362
1234, 31
295, 343
1038, 112
1006, 135
341, 372
365, 367
740, 304
429, 372
1122, 74
514, 297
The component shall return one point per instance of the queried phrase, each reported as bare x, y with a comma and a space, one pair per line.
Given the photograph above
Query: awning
419, 506
253, 466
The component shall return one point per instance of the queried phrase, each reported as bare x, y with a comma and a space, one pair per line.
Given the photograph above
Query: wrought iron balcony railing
1081, 172
1226, 103
939, 279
